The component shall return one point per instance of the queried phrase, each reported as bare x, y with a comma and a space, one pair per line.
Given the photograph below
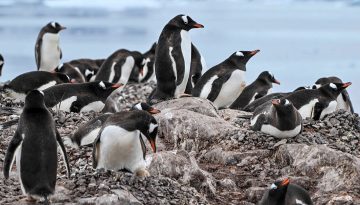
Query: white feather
307, 110
207, 87
152, 127
329, 109
299, 202
173, 63
50, 52
65, 104
96, 106
126, 69
47, 85
186, 53
80, 74
271, 130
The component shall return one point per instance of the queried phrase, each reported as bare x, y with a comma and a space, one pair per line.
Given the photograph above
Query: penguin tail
46, 200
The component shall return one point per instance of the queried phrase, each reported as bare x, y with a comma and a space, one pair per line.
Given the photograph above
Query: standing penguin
35, 146
74, 73
198, 64
47, 48
173, 59
146, 72
259, 88
280, 119
223, 83
120, 145
1, 63
39, 80
284, 193
343, 100
117, 67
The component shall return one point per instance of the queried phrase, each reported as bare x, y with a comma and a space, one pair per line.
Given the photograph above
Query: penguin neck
328, 93
237, 65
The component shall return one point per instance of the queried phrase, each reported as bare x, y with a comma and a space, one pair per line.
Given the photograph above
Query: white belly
47, 85
90, 137
341, 104
65, 105
96, 106
307, 111
120, 149
207, 87
126, 69
231, 89
145, 70
329, 109
50, 52
186, 52
273, 131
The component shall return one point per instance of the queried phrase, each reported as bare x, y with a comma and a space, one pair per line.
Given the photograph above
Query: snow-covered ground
300, 41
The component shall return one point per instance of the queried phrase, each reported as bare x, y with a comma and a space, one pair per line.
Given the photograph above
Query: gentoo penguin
198, 64
116, 68
79, 97
343, 100
259, 88
284, 193
120, 145
74, 73
47, 48
173, 59
223, 83
39, 80
87, 133
35, 147
88, 67
280, 119
1, 63
139, 63
146, 72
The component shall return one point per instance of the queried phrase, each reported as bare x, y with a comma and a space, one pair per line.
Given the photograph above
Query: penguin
146, 72
173, 59
88, 67
284, 193
280, 119
34, 146
116, 68
223, 83
1, 63
87, 133
80, 97
74, 73
39, 80
198, 64
343, 100
47, 49
120, 145
259, 88
138, 66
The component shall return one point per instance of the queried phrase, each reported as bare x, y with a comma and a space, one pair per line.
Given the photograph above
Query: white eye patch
152, 127
185, 19
138, 106
287, 102
53, 24
273, 186
101, 84
239, 53
88, 72
1, 62
333, 86
271, 74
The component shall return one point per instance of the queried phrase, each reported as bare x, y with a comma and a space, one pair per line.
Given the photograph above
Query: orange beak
154, 111
197, 25
254, 52
277, 82
73, 81
275, 101
117, 85
153, 145
62, 28
285, 182
345, 85
141, 72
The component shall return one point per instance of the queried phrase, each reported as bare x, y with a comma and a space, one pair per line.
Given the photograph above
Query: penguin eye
239, 53
333, 86
273, 186
185, 19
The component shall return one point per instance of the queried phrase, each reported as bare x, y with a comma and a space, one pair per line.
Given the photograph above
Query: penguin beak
141, 72
345, 85
275, 101
197, 25
73, 81
154, 111
276, 82
117, 85
285, 182
254, 52
62, 28
153, 145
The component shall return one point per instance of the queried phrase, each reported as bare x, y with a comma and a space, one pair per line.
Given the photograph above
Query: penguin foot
142, 173
30, 199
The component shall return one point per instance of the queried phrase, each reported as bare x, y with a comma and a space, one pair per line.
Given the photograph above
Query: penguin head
184, 22
240, 58
73, 75
53, 27
104, 89
63, 77
35, 99
1, 63
282, 105
138, 57
326, 80
146, 107
278, 190
334, 89
268, 77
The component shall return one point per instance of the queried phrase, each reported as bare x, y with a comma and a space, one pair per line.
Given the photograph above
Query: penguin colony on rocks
119, 137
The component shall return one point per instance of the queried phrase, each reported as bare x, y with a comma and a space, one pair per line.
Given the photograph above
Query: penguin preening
34, 80
87, 133
146, 72
279, 119
74, 73
47, 49
138, 66
343, 100
1, 63
120, 145
284, 193
259, 88
223, 83
173, 59
198, 64
34, 146
79, 97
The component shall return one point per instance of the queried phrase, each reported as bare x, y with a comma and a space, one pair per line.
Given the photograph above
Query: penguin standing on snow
47, 48
35, 146
198, 64
259, 88
146, 72
120, 145
284, 193
280, 119
223, 83
173, 59
343, 100
1, 63
34, 80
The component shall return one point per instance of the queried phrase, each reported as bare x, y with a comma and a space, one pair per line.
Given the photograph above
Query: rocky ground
206, 156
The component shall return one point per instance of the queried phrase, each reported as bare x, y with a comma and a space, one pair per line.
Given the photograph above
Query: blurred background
300, 40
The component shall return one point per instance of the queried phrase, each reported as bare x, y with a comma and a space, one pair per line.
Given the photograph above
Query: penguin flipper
259, 122
10, 153
346, 98
96, 150
260, 95
60, 53
37, 52
143, 147
63, 152
216, 86
318, 108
